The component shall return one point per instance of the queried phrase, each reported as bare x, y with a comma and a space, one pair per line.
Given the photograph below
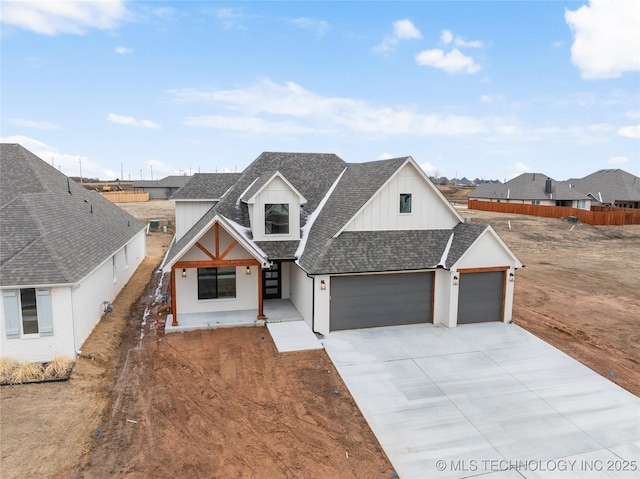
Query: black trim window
405, 202
214, 283
29, 310
276, 219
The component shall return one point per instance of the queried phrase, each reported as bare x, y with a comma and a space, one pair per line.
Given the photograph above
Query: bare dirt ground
225, 404
579, 290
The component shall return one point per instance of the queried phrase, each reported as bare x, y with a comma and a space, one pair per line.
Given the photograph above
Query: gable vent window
405, 202
276, 219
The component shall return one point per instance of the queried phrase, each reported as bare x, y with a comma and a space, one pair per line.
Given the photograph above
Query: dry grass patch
27, 373
7, 366
59, 368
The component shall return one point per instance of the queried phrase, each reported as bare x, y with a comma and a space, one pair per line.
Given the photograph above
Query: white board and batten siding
188, 213
67, 314
301, 292
276, 192
382, 212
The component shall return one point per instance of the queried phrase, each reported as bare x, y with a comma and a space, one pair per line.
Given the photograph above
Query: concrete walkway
486, 400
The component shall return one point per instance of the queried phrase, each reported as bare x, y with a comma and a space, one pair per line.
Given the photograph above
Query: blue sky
476, 89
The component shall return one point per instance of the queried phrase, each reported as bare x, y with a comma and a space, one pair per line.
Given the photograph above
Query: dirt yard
225, 404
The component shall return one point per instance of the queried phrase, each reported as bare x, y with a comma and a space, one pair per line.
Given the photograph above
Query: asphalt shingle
52, 230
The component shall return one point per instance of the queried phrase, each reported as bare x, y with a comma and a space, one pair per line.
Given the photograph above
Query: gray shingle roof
356, 186
528, 186
350, 252
174, 181
48, 235
611, 184
206, 186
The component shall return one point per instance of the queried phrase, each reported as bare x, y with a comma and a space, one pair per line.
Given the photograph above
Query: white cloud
405, 29
402, 30
606, 38
230, 18
618, 160
385, 156
131, 121
632, 131
40, 125
158, 169
451, 62
446, 37
50, 17
123, 50
319, 26
67, 163
633, 114
518, 168
291, 108
429, 169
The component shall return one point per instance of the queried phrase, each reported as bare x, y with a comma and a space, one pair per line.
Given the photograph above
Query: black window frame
269, 230
209, 282
404, 203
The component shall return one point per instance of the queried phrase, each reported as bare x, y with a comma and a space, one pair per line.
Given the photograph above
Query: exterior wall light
512, 277
455, 281
184, 272
248, 270
323, 285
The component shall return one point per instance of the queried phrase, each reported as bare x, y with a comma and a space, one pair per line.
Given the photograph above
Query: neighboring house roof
608, 186
528, 186
335, 192
167, 182
52, 230
210, 186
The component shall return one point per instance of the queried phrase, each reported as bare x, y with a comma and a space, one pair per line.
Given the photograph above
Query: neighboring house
533, 189
349, 245
162, 189
612, 187
64, 252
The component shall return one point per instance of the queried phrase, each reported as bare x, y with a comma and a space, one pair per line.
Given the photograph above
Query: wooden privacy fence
125, 196
599, 216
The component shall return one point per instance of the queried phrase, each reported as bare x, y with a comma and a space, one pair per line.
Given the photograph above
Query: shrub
27, 372
58, 368
7, 366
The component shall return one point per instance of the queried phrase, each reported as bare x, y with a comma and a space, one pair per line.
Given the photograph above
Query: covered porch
274, 311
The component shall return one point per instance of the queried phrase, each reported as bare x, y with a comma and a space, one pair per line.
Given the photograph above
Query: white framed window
114, 269
126, 257
405, 203
582, 204
27, 312
535, 202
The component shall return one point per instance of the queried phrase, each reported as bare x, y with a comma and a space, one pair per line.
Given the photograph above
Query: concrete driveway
486, 400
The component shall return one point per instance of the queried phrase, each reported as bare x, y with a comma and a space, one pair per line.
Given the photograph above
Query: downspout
313, 304
73, 321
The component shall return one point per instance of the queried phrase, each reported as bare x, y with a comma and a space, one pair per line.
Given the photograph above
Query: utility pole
140, 175
80, 161
121, 173
151, 166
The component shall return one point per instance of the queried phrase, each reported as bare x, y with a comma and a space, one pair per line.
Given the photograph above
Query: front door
271, 282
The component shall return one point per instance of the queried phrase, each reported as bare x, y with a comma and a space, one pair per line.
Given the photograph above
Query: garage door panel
480, 297
380, 300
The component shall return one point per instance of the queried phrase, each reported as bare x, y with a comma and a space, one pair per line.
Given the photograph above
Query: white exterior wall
99, 286
276, 192
188, 213
382, 212
187, 293
76, 310
322, 301
445, 302
36, 348
301, 292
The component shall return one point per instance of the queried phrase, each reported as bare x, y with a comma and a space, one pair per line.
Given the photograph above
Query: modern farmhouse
65, 253
350, 245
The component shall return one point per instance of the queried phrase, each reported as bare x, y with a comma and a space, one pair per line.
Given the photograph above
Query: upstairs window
276, 219
215, 283
405, 202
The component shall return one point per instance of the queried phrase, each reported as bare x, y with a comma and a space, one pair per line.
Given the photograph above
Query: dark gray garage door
380, 300
480, 297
